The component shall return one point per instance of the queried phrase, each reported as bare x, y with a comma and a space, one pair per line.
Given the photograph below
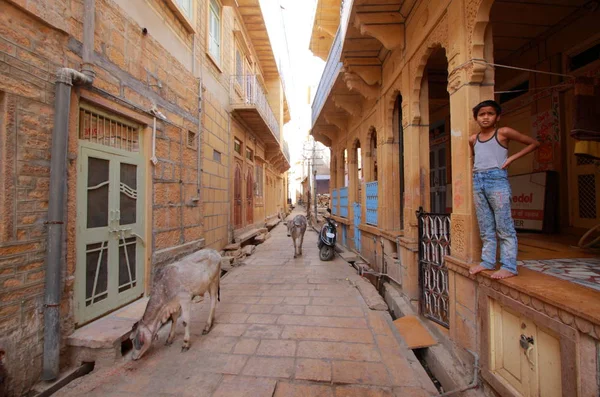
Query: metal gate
357, 220
434, 245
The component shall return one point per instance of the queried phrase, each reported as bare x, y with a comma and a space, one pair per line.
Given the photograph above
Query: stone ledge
339, 219
567, 302
246, 236
172, 254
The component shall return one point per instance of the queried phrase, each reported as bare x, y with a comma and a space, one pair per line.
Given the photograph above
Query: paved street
284, 327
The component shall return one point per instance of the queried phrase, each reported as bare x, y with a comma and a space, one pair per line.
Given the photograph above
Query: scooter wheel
326, 253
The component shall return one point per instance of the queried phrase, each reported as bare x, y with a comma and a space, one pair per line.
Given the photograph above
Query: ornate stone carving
458, 237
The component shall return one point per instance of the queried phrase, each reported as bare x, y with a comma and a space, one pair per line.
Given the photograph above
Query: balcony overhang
369, 30
325, 26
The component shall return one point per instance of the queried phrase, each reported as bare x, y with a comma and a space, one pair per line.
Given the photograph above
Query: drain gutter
474, 383
65, 78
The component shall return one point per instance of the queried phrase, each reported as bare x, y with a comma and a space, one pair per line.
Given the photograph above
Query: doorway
110, 264
237, 197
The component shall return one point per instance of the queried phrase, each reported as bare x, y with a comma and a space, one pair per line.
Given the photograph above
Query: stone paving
284, 327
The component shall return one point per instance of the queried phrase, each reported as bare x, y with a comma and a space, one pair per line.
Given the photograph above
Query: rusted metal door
249, 198
237, 198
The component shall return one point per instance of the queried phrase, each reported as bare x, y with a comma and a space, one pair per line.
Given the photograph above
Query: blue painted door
357, 222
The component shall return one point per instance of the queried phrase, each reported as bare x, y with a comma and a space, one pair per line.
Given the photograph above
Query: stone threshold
110, 331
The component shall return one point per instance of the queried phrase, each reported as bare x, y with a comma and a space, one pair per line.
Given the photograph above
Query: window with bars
214, 31
249, 154
112, 131
237, 146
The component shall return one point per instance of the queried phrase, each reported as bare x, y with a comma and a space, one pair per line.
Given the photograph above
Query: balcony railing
246, 91
330, 73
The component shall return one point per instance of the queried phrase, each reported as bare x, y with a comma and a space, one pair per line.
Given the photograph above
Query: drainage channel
420, 353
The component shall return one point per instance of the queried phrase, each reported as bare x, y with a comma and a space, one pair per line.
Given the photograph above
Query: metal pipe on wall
65, 79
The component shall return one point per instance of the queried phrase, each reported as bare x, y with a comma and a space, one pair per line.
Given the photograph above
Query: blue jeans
492, 194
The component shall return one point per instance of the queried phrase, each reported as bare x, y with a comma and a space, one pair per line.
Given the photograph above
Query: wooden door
237, 198
249, 198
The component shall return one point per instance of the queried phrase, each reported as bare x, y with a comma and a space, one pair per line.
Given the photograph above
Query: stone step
272, 223
101, 340
246, 236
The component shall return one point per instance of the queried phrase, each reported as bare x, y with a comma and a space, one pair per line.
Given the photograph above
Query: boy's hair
483, 104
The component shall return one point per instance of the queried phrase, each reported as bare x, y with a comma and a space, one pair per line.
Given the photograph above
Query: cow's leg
213, 290
185, 316
294, 241
174, 318
301, 242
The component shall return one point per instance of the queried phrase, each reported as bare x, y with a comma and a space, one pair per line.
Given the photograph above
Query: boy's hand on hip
507, 163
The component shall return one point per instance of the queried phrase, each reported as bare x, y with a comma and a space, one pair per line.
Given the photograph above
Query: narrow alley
284, 327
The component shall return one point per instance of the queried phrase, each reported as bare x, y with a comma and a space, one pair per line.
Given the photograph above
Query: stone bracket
348, 104
371, 74
339, 121
357, 84
390, 35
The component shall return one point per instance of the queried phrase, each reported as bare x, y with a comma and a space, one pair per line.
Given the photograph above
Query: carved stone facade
422, 103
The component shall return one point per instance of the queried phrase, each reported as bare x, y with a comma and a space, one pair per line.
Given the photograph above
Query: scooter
327, 238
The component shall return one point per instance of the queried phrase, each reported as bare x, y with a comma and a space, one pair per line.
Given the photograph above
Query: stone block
249, 249
232, 247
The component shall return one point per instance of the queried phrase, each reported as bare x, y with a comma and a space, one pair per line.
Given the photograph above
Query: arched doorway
249, 199
398, 134
435, 80
237, 198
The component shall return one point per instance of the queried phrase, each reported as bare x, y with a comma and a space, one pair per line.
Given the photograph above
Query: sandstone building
394, 105
165, 137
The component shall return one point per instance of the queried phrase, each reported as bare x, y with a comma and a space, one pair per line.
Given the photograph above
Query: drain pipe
65, 78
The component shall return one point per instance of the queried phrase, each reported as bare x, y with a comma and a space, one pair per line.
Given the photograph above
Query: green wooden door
110, 207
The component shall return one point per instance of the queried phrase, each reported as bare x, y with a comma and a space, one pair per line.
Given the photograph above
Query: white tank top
489, 154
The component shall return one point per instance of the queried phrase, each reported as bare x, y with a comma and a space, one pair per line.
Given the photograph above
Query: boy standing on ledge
491, 189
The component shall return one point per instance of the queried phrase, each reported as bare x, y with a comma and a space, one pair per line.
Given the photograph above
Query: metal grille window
191, 140
586, 185
112, 131
434, 245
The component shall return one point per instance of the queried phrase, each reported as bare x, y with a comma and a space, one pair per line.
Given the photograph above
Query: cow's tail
219, 289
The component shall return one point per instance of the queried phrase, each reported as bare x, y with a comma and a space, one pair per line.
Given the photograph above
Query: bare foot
502, 273
477, 269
